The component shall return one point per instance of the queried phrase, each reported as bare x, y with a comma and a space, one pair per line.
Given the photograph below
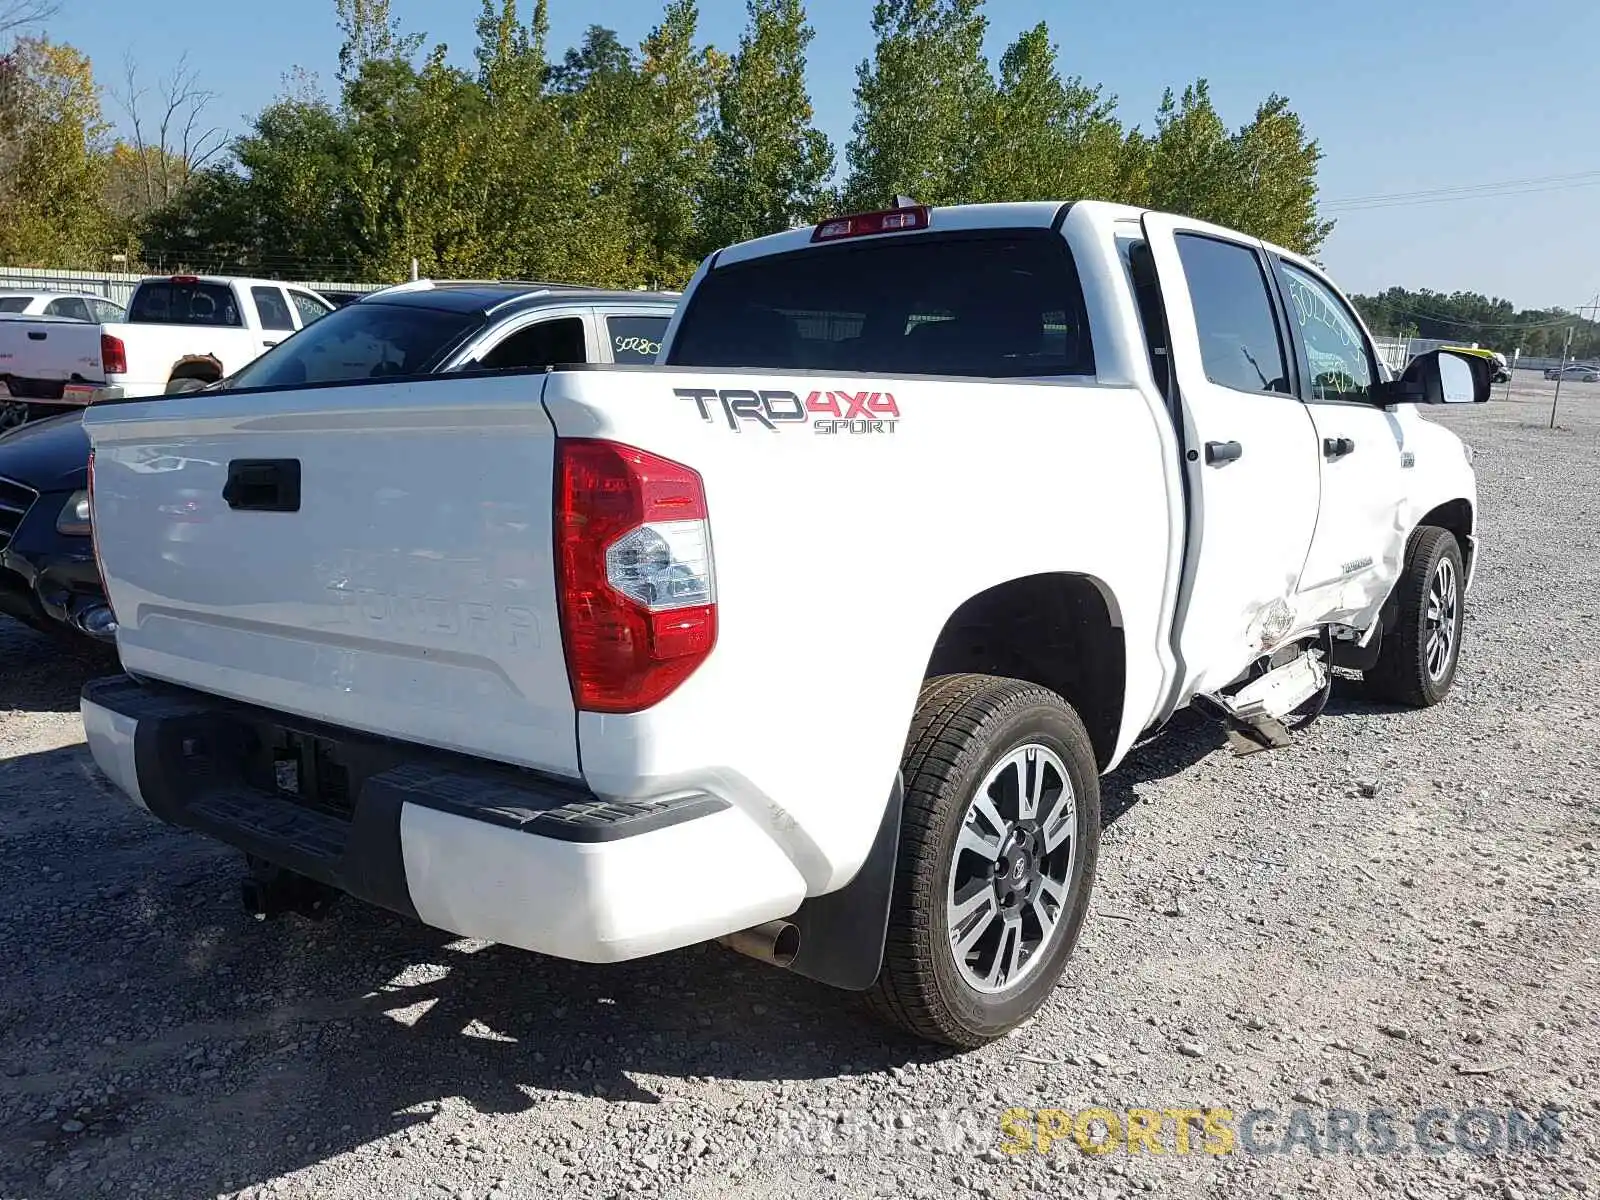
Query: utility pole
1556, 399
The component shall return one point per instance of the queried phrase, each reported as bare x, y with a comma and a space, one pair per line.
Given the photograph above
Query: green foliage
625, 165
1468, 317
1043, 137
918, 102
769, 164
52, 159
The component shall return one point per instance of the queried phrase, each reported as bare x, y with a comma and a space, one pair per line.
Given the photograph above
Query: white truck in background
813, 638
177, 327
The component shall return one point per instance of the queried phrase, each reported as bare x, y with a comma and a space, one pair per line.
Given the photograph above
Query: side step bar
1254, 715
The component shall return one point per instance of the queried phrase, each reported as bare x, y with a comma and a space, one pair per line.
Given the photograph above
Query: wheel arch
1459, 517
207, 367
1060, 630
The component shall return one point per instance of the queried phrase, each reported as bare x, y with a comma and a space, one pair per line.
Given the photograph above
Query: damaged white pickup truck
814, 638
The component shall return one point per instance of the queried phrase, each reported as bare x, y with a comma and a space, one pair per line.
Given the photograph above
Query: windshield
366, 340
994, 305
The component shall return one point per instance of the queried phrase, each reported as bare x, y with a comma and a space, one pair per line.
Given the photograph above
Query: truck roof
486, 298
1033, 214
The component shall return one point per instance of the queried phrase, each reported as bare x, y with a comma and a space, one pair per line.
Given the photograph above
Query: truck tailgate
49, 350
382, 560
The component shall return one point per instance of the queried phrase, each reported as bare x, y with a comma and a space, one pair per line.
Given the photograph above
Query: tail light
113, 355
891, 220
634, 570
94, 540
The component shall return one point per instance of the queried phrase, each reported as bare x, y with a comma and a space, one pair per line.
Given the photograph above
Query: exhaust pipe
775, 943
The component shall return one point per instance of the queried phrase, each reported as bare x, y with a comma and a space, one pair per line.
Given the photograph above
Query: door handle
1223, 452
269, 345
1337, 447
263, 484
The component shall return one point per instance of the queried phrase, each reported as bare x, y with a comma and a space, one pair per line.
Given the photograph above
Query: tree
669, 152
1045, 138
918, 101
371, 34
52, 165
1189, 168
1275, 179
168, 144
770, 164
600, 57
1468, 317
1260, 180
20, 14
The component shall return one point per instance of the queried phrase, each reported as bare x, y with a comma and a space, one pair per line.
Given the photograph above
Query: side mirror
1445, 377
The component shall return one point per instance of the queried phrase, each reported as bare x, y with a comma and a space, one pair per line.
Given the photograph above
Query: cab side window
1339, 362
69, 306
308, 306
542, 344
271, 308
1239, 342
635, 339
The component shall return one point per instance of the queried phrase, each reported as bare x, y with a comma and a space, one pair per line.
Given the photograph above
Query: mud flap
842, 933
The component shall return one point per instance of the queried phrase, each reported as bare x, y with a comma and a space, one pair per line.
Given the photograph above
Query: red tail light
634, 572
94, 538
184, 279
890, 220
113, 355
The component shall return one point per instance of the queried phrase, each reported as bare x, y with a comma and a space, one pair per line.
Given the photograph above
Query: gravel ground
1396, 913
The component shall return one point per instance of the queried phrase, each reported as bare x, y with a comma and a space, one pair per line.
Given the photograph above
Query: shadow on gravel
44, 673
1182, 742
269, 1047
242, 1051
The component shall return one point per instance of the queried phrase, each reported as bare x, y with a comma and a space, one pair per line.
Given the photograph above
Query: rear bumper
462, 845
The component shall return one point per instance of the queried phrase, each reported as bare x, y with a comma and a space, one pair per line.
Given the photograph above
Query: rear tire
1418, 658
999, 839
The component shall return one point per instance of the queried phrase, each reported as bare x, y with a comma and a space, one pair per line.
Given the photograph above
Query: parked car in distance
177, 327
48, 577
816, 636
1579, 372
76, 306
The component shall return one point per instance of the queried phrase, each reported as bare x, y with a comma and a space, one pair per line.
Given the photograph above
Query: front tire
1417, 660
999, 841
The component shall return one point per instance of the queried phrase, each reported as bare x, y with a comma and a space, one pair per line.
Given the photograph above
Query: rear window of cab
1000, 304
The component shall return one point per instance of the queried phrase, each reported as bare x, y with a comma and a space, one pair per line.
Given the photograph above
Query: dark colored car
48, 575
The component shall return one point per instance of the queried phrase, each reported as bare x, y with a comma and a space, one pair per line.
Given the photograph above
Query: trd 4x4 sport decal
828, 412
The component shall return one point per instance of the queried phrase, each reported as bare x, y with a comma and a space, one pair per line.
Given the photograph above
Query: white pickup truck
177, 327
813, 638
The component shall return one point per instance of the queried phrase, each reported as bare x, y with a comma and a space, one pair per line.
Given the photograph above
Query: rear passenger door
273, 311
1250, 449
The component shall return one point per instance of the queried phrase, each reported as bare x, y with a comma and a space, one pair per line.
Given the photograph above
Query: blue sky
1404, 98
